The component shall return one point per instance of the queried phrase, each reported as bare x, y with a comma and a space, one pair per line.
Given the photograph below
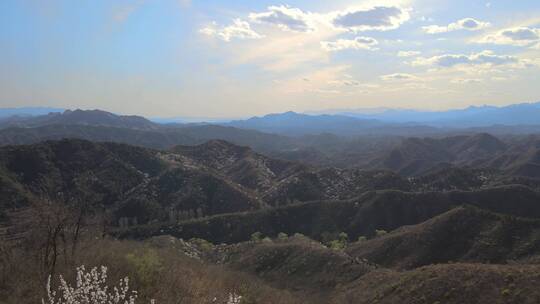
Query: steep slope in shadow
126, 181
417, 156
387, 210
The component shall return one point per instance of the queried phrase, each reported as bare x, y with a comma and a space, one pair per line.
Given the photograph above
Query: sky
231, 59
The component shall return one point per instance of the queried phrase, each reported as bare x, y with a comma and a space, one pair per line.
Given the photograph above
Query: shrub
267, 240
256, 236
337, 245
234, 299
336, 242
362, 239
380, 232
146, 267
282, 236
202, 244
91, 288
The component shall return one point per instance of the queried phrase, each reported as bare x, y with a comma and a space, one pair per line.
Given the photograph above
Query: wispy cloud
408, 53
239, 29
124, 12
466, 81
518, 36
451, 60
379, 18
398, 77
358, 43
286, 18
468, 24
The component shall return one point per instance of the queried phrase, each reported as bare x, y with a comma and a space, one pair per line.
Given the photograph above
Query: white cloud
381, 18
468, 24
358, 43
451, 60
346, 82
519, 36
238, 30
466, 81
398, 77
408, 53
286, 18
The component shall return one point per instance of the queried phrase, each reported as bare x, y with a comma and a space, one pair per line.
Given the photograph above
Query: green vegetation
379, 233
146, 266
256, 237
339, 243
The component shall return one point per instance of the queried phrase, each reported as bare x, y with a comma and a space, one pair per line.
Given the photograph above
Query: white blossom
91, 288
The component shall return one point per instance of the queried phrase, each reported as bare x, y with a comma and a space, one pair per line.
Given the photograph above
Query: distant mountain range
517, 118
28, 111
81, 117
516, 114
322, 140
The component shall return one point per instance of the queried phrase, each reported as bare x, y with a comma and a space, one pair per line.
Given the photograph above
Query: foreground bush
91, 288
178, 279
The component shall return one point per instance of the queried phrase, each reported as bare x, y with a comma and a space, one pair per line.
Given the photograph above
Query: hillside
185, 182
463, 234
446, 283
415, 156
134, 182
374, 210
300, 231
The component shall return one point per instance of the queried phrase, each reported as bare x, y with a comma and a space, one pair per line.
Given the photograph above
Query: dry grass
156, 273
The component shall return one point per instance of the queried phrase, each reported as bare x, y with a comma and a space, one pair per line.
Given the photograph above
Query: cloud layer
451, 60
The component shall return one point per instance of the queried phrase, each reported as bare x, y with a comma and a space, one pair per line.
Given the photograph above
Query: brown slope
451, 283
296, 263
462, 234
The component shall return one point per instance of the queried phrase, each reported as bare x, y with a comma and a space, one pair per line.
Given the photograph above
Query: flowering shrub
234, 299
90, 288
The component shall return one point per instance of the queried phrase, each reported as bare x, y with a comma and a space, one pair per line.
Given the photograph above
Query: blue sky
240, 58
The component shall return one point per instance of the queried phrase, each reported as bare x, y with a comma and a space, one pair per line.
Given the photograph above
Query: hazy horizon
235, 59
210, 119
